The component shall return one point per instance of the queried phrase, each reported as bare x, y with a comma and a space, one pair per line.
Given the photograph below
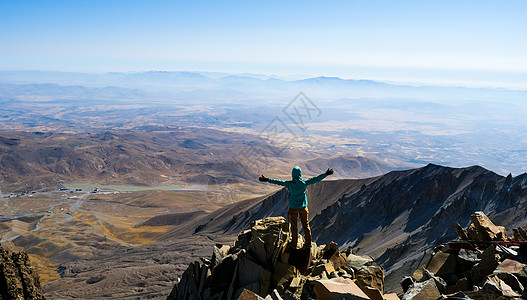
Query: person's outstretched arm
272, 180
319, 177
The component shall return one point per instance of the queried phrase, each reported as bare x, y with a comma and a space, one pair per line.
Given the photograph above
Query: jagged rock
441, 264
373, 294
512, 281
321, 267
489, 261
283, 275
440, 282
339, 288
269, 236
223, 273
219, 252
356, 262
497, 272
242, 242
510, 266
371, 275
330, 250
461, 232
250, 274
497, 288
468, 258
407, 282
18, 280
481, 228
256, 249
261, 261
425, 290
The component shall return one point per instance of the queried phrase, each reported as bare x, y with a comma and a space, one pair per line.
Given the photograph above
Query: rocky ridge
483, 263
263, 264
18, 280
397, 218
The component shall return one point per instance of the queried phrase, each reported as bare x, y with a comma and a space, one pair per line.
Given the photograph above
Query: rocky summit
482, 264
18, 280
262, 264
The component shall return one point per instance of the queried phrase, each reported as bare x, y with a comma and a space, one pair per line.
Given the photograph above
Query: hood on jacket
296, 173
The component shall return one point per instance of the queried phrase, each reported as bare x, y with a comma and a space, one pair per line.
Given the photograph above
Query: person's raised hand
329, 171
263, 178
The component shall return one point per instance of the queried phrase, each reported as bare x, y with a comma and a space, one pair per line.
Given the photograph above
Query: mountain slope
396, 218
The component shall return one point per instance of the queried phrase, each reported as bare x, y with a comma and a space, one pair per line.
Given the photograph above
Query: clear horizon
476, 44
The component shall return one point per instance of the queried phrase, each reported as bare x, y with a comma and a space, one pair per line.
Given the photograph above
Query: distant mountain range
397, 218
183, 81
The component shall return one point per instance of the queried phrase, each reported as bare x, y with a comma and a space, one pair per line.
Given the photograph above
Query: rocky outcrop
17, 279
482, 264
263, 264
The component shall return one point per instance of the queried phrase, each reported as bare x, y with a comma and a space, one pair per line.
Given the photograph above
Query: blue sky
443, 42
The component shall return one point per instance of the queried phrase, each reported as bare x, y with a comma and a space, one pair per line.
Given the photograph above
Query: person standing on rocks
298, 200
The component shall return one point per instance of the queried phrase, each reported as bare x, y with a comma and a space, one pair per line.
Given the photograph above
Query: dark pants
293, 216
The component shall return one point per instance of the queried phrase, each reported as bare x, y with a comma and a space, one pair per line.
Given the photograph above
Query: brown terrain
165, 197
134, 235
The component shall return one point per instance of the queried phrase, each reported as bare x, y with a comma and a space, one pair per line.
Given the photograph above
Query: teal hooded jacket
297, 187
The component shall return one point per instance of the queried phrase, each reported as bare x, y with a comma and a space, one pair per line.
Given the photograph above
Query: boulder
468, 258
425, 290
440, 282
509, 266
256, 249
481, 228
497, 272
442, 264
498, 288
283, 275
337, 289
356, 262
371, 275
249, 273
489, 262
512, 281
